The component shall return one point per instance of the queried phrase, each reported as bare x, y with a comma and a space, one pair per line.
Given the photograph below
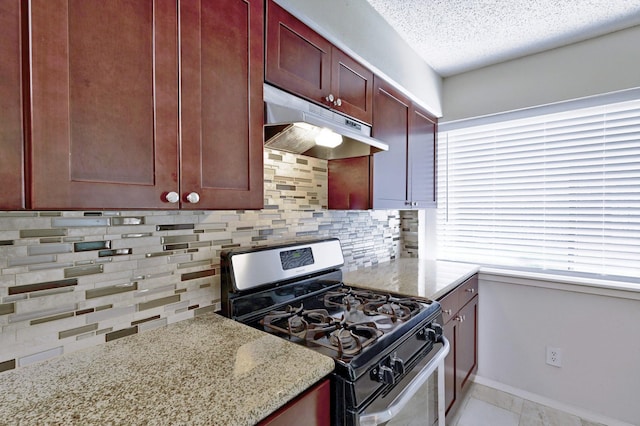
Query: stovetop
345, 321
296, 292
349, 324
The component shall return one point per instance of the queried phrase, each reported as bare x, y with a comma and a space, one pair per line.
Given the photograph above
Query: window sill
622, 287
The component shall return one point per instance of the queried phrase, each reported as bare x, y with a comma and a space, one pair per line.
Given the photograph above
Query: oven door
418, 399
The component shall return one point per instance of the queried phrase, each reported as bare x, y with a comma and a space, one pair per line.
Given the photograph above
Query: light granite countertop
412, 277
204, 371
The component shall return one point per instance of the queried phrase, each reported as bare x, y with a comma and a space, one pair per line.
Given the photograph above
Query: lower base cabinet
460, 316
312, 408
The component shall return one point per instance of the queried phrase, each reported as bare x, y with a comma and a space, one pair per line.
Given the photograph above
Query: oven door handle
407, 393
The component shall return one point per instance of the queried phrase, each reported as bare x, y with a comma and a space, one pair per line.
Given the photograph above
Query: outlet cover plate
554, 356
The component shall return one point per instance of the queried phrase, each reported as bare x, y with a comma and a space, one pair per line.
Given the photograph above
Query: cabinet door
312, 408
104, 103
222, 74
467, 348
390, 124
298, 59
11, 136
450, 331
349, 185
352, 85
422, 145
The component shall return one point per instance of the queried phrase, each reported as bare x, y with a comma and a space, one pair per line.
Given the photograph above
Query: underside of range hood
292, 124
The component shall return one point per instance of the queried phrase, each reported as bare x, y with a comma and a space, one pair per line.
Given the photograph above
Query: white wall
600, 65
355, 27
599, 336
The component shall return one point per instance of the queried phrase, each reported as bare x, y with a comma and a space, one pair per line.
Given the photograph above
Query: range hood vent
294, 125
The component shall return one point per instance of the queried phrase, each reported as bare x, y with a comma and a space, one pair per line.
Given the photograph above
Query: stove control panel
393, 366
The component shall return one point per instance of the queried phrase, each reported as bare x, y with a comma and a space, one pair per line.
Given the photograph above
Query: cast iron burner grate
318, 327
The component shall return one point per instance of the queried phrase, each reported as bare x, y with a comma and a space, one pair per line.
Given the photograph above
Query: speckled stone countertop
205, 371
412, 277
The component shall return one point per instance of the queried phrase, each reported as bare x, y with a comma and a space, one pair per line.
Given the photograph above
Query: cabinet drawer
467, 290
450, 306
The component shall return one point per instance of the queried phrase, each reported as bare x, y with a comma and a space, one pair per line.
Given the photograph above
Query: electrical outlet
554, 356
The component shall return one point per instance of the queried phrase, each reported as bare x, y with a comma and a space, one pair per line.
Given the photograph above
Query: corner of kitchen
249, 212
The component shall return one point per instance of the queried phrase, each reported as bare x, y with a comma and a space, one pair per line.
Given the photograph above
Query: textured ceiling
455, 36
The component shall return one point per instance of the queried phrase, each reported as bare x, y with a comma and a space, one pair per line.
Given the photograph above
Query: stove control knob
385, 375
427, 334
437, 328
430, 334
397, 365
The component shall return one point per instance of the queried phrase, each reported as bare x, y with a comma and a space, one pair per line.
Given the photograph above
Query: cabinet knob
193, 197
172, 197
446, 311
459, 318
330, 98
470, 290
407, 203
338, 102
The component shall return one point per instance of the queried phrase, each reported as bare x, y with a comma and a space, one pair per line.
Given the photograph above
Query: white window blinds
558, 191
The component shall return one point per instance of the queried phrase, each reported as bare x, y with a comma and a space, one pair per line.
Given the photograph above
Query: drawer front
467, 290
450, 306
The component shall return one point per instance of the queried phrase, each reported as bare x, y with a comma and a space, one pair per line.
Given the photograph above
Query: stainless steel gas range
386, 346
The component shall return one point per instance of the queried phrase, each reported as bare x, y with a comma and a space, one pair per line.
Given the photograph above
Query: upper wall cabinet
117, 124
404, 176
421, 158
11, 136
302, 62
222, 112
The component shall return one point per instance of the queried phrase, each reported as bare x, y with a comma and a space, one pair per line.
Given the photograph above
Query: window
558, 191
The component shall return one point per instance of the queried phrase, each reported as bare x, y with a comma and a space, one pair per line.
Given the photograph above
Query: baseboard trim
539, 399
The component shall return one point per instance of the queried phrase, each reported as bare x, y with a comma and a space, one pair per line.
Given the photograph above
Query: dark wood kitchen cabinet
349, 183
403, 176
303, 62
12, 195
460, 316
222, 115
312, 408
117, 124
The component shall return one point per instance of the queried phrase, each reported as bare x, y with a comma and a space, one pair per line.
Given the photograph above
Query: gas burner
350, 299
297, 324
318, 316
288, 321
343, 339
390, 309
351, 302
395, 309
289, 312
346, 339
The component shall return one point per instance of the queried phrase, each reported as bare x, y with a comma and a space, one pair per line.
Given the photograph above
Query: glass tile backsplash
74, 279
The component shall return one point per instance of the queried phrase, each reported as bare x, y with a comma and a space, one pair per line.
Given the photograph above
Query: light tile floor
485, 406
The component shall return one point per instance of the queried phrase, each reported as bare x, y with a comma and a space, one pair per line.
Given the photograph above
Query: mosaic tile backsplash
74, 279
409, 233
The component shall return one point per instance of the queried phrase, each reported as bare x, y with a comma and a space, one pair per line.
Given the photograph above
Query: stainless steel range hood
293, 124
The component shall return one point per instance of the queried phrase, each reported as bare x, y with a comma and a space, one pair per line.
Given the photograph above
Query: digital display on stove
292, 259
